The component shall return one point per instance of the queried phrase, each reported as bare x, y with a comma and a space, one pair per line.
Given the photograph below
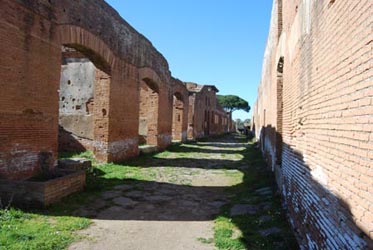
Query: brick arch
180, 90
151, 84
179, 96
93, 48
89, 44
149, 93
149, 74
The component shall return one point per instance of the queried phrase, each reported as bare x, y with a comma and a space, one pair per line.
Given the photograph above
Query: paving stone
136, 194
112, 209
158, 198
166, 217
265, 206
125, 202
270, 231
190, 197
244, 167
265, 218
98, 204
243, 209
111, 212
149, 207
167, 191
189, 204
150, 186
264, 191
217, 204
252, 199
123, 187
107, 195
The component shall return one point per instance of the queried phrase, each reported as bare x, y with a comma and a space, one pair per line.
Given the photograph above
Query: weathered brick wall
316, 99
219, 124
191, 99
180, 110
36, 194
81, 117
202, 110
159, 109
196, 116
29, 70
32, 34
149, 105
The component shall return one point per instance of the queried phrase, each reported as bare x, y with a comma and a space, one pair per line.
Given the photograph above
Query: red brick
326, 113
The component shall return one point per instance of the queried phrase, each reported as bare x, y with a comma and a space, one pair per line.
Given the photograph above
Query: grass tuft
22, 230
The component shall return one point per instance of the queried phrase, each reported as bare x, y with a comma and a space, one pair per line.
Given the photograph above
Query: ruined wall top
100, 19
194, 87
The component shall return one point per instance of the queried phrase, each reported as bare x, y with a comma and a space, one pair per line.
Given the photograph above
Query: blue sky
217, 42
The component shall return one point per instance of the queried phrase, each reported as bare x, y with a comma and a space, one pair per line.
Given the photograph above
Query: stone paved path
177, 207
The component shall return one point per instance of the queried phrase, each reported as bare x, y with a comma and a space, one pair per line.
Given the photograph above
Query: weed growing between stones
254, 219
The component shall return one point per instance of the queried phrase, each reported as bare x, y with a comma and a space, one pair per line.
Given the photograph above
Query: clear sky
217, 42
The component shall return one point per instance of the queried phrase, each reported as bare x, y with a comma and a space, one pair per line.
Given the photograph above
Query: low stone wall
31, 194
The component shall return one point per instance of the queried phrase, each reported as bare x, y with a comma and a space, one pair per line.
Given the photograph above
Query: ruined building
74, 77
206, 117
314, 119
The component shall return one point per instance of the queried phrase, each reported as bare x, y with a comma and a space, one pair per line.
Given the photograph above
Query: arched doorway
83, 101
148, 112
177, 117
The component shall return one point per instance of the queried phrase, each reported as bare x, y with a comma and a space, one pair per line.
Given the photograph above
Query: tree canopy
232, 103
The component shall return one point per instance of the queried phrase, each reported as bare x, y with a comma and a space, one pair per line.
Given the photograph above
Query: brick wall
128, 88
159, 106
83, 104
180, 111
32, 34
149, 105
33, 193
29, 70
314, 119
203, 108
219, 124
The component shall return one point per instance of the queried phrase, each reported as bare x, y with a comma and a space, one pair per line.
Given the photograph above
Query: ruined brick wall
313, 117
197, 113
191, 99
219, 120
265, 108
32, 34
29, 121
158, 107
205, 114
180, 110
81, 93
148, 113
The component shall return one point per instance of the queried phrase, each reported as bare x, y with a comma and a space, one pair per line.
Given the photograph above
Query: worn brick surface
314, 119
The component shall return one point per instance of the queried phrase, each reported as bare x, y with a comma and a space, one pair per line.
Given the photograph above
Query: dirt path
173, 211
